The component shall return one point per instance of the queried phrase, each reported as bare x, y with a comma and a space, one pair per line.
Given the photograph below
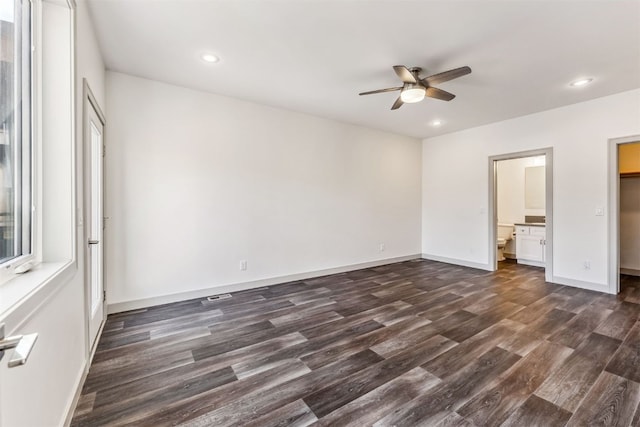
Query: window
15, 131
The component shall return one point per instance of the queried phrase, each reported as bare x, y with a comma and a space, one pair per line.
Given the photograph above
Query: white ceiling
316, 56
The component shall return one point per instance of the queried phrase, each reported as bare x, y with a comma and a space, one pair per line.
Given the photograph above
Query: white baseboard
235, 287
71, 407
83, 378
591, 286
630, 271
532, 263
456, 261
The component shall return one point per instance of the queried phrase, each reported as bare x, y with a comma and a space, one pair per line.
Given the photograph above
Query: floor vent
218, 297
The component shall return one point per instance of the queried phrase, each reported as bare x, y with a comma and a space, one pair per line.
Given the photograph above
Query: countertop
531, 224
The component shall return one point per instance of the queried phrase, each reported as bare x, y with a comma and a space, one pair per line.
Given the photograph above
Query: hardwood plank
257, 404
328, 399
549, 323
84, 405
611, 402
538, 309
368, 408
128, 408
295, 414
620, 321
190, 408
538, 412
454, 360
454, 420
374, 314
114, 375
262, 362
626, 361
434, 407
336, 350
495, 404
410, 337
579, 328
570, 383
467, 329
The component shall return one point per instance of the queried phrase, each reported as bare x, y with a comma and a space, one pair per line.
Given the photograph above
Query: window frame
25, 205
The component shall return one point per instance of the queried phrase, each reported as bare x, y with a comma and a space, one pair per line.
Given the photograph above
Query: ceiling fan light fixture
412, 94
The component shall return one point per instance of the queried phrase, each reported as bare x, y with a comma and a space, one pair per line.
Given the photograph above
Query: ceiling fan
415, 89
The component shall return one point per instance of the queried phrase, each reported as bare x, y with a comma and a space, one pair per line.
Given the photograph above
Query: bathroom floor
509, 263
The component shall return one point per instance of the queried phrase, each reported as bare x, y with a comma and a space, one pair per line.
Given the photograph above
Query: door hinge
104, 150
104, 296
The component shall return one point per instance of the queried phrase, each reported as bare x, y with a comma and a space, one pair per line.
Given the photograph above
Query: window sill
33, 287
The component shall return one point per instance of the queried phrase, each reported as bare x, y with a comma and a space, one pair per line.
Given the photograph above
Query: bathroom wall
511, 189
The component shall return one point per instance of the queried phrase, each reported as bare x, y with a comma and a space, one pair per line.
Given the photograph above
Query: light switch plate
599, 211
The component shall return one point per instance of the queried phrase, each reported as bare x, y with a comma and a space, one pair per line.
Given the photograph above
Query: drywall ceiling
316, 56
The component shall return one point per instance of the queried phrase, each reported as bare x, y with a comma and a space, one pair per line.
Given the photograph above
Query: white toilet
505, 233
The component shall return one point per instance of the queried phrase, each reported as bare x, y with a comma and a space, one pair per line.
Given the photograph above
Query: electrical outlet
381, 247
243, 265
586, 265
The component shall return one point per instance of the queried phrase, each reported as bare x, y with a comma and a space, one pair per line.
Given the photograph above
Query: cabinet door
529, 247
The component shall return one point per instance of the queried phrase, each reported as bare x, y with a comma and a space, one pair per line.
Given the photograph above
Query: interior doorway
521, 200
93, 149
624, 212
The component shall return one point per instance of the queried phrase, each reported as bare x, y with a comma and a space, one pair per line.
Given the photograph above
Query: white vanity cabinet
530, 244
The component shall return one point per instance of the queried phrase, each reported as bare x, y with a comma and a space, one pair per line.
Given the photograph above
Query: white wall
511, 189
41, 392
630, 224
197, 182
455, 183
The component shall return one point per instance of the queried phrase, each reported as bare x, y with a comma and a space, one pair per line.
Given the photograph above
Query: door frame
89, 101
493, 205
614, 211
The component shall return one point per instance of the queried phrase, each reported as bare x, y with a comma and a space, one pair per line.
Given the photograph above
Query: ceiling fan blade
434, 92
389, 89
404, 74
446, 76
397, 104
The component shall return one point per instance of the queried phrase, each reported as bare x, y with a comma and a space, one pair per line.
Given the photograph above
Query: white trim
455, 261
71, 405
241, 286
591, 286
24, 294
89, 102
493, 206
531, 263
613, 266
71, 408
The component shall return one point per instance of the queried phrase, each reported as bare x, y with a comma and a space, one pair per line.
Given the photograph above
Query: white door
94, 194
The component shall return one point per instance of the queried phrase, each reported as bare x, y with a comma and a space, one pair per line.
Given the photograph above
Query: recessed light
436, 123
209, 57
581, 82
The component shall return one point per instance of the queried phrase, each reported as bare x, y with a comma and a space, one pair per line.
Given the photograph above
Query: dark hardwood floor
412, 343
